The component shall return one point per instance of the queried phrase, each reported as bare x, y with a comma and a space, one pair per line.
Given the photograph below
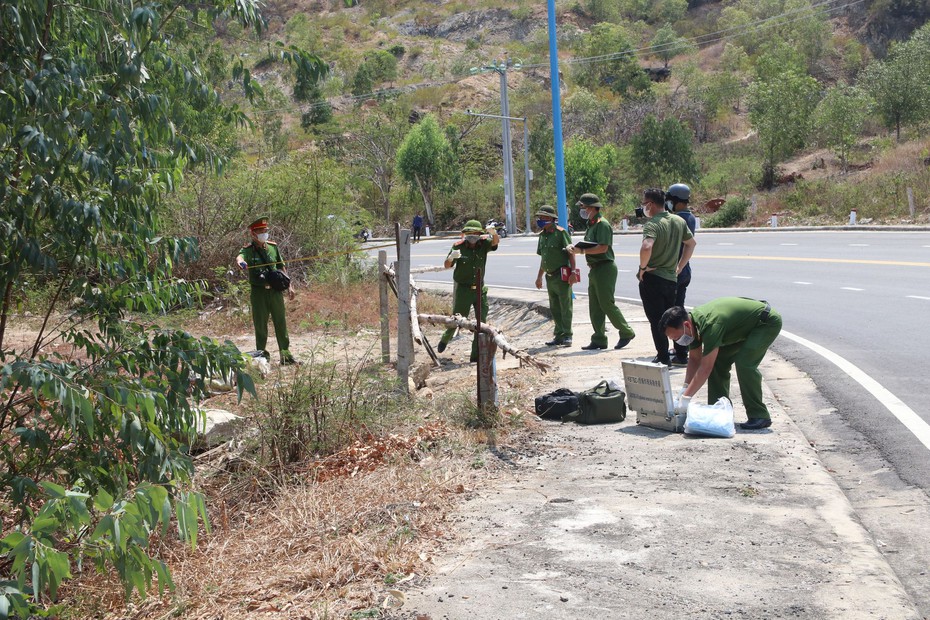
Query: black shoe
656, 360
441, 346
677, 360
556, 342
622, 343
289, 361
567, 342
593, 347
756, 424
473, 360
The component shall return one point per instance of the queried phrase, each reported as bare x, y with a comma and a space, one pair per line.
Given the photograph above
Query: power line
699, 41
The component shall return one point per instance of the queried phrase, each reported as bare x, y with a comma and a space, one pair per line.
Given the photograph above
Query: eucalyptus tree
100, 106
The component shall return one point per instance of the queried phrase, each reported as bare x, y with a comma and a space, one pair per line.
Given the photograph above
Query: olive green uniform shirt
725, 321
551, 247
668, 231
600, 233
471, 261
254, 257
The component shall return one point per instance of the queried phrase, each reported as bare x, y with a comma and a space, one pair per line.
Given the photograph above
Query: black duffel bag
554, 405
277, 279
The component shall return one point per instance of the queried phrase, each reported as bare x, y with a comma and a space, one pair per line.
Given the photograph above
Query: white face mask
472, 238
584, 213
263, 237
685, 339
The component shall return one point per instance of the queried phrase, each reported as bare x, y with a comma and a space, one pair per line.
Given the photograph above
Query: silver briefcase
649, 394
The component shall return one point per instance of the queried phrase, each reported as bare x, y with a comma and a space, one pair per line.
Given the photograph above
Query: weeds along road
856, 309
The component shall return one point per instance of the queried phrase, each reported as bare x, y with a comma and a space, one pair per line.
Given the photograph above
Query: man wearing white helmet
678, 197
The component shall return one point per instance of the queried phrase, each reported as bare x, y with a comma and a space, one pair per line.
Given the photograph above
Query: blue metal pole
557, 117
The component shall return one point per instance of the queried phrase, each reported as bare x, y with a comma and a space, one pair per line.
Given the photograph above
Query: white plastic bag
713, 420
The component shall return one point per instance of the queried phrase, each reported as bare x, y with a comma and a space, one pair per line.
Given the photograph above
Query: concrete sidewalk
623, 521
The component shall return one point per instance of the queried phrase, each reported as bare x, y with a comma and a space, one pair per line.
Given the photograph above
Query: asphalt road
859, 298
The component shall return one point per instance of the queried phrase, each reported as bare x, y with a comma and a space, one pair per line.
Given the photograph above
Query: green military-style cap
589, 200
547, 211
472, 226
261, 222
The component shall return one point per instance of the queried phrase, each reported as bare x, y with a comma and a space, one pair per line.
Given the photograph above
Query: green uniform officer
725, 332
469, 254
552, 249
602, 276
258, 257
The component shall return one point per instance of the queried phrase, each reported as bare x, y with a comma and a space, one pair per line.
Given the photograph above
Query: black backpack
555, 405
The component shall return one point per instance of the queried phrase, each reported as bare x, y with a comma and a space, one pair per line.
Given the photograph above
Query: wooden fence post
404, 330
910, 202
383, 299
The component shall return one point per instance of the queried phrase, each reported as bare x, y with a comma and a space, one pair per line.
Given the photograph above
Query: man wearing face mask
468, 255
258, 257
602, 276
553, 241
725, 332
664, 237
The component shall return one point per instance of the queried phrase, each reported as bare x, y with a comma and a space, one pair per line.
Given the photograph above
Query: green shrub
730, 214
325, 406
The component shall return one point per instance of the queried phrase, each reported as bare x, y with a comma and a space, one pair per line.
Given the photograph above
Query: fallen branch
463, 323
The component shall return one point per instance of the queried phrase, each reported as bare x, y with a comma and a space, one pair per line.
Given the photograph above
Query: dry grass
307, 549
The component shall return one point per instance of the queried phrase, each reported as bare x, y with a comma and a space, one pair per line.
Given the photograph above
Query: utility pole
509, 202
527, 173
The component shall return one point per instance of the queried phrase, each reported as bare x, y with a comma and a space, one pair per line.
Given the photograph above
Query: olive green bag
602, 404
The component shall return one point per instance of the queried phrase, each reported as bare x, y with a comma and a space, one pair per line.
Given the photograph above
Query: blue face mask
540, 224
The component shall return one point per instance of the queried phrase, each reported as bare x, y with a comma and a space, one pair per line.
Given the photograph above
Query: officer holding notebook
725, 332
598, 250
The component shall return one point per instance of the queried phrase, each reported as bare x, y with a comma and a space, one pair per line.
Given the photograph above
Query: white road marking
805, 283
918, 297
788, 244
741, 277
858, 245
522, 266
898, 409
851, 288
724, 244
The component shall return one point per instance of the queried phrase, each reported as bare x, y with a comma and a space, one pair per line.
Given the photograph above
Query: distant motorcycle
363, 235
498, 226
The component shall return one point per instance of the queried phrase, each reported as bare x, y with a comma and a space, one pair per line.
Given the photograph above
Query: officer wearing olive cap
257, 258
468, 255
553, 241
602, 277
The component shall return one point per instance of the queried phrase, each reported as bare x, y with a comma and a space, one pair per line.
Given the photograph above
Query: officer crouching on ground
258, 258
469, 254
725, 332
553, 251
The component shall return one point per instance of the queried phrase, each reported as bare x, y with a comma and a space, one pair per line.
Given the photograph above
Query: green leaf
103, 501
55, 490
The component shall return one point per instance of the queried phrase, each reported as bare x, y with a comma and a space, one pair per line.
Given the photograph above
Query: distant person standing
679, 195
725, 332
551, 248
258, 258
417, 226
664, 238
602, 276
468, 255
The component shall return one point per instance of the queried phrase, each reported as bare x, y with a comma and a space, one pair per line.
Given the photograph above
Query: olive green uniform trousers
463, 300
746, 356
602, 280
560, 305
268, 302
